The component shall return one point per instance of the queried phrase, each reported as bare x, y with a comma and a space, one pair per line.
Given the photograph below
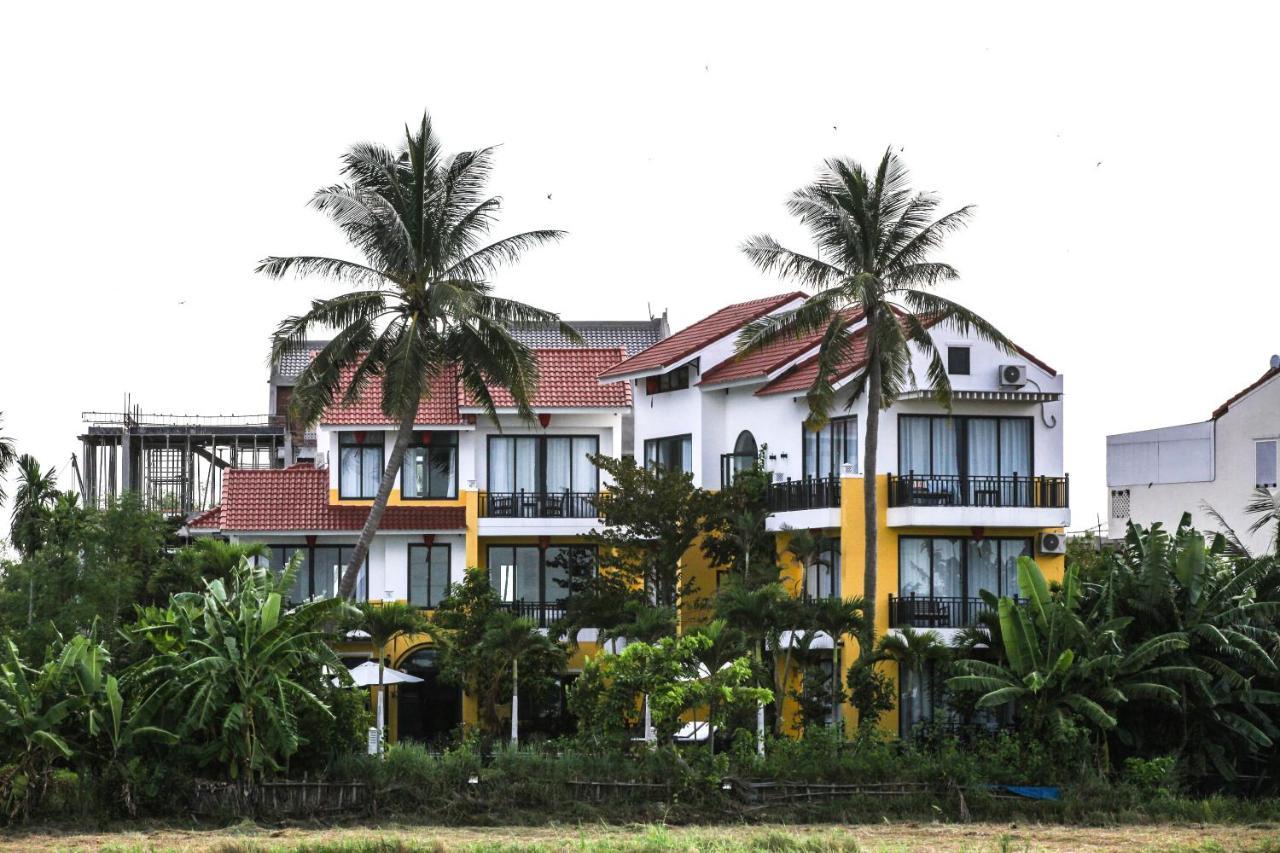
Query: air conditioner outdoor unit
1053, 543
1013, 375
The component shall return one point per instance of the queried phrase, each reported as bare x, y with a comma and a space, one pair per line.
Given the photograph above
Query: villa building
1156, 475
962, 493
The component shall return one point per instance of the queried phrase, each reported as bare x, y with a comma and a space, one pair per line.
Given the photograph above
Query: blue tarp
1032, 792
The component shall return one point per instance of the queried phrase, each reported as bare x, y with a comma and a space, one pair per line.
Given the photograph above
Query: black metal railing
978, 490
539, 505
816, 493
935, 611
541, 613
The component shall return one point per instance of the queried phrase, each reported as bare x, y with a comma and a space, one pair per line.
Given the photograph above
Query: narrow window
670, 453
1265, 455
958, 361
430, 468
428, 575
360, 464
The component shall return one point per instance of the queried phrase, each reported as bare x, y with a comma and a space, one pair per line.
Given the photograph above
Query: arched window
743, 458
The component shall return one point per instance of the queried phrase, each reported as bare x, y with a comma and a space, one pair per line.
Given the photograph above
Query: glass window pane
1010, 551
349, 472
442, 472
502, 561
1015, 447
1265, 453
502, 464
810, 453
984, 566
846, 447
945, 455
948, 567
983, 448
686, 455
327, 570
372, 473
439, 574
586, 479
527, 571
824, 452
559, 456
914, 561
413, 473
526, 470
559, 559
913, 452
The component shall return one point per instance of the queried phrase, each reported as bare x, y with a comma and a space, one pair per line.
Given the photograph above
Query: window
919, 694
958, 361
829, 448
672, 380
543, 464
672, 453
822, 574
934, 446
319, 571
1265, 456
954, 567
532, 574
430, 468
428, 575
360, 464
744, 457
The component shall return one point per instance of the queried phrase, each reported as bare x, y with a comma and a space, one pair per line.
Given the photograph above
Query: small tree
836, 618
510, 639
384, 622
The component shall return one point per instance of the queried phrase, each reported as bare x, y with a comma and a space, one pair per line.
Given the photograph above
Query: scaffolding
173, 462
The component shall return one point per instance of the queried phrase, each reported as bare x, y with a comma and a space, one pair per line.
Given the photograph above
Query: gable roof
632, 335
1271, 373
297, 498
767, 360
567, 379
684, 343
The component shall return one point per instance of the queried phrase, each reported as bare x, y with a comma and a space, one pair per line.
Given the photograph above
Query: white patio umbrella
366, 675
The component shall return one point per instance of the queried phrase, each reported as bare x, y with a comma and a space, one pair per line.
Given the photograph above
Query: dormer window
430, 469
672, 380
360, 468
958, 361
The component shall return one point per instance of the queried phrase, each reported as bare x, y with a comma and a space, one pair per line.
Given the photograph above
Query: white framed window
1265, 463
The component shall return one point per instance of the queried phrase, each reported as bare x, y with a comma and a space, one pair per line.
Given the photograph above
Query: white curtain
1010, 551
526, 465
559, 454
984, 567
945, 457
914, 568
350, 470
913, 453
1015, 447
586, 479
413, 473
983, 447
846, 444
372, 470
947, 567
502, 464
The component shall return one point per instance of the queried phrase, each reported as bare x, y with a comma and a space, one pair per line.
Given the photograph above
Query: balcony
978, 500
793, 495
930, 611
541, 613
539, 505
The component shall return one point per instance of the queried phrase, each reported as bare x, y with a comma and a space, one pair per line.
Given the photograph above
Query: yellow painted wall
394, 499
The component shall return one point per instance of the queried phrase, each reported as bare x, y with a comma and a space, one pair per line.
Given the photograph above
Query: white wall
1181, 452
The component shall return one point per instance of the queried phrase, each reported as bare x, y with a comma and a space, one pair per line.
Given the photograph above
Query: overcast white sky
1122, 158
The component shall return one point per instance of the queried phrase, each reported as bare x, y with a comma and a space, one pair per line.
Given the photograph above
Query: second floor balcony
539, 505
980, 500
934, 611
810, 493
542, 613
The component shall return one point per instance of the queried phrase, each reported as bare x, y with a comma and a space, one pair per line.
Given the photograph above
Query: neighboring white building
1158, 474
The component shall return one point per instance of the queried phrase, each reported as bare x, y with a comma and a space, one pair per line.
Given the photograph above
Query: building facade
1156, 475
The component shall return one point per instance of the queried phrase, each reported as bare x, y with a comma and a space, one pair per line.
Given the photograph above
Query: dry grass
817, 838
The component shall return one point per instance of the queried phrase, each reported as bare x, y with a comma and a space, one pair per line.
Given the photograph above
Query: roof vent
1275, 362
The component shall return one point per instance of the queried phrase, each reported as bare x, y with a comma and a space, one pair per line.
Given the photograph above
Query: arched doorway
743, 458
429, 710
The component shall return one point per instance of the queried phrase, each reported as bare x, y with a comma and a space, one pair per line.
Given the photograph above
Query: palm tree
422, 305
384, 622
513, 637
726, 644
36, 493
875, 244
836, 617
7, 457
913, 650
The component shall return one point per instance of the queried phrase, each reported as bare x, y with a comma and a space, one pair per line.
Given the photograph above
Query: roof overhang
990, 396
548, 410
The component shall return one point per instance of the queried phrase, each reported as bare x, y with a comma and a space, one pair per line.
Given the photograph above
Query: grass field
643, 838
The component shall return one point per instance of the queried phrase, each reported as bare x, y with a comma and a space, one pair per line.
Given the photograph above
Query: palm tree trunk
515, 702
347, 586
870, 526
835, 681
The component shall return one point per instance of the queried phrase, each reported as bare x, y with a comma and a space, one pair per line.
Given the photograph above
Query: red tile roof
440, 407
297, 498
708, 330
1261, 380
767, 360
568, 378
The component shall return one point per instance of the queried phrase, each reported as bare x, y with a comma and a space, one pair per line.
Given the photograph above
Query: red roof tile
767, 360
440, 407
708, 330
1261, 380
297, 498
568, 378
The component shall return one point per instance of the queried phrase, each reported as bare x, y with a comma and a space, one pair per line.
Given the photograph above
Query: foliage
8, 456
735, 538
508, 640
229, 669
422, 307
205, 559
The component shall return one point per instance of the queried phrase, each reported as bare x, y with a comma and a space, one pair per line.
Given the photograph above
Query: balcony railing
818, 493
978, 490
934, 611
539, 505
541, 613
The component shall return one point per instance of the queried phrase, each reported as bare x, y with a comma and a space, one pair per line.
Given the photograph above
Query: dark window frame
675, 379
670, 438
831, 545
542, 599
1028, 542
962, 442
845, 421
408, 574
731, 464
1275, 463
348, 439
540, 466
457, 442
957, 350
311, 563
